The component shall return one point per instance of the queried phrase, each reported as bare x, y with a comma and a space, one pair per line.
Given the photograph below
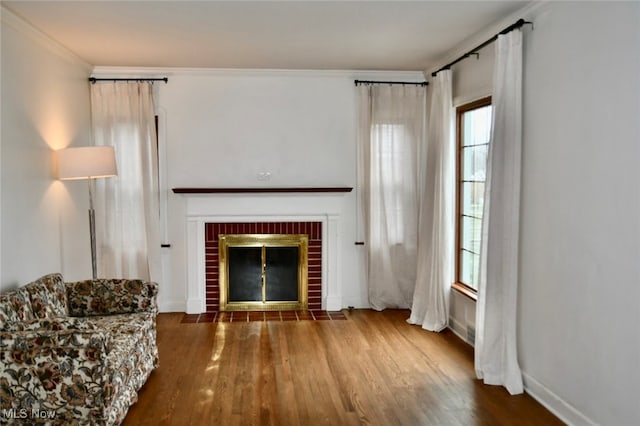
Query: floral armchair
75, 353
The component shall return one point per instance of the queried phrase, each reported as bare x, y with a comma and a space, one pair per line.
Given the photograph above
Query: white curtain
496, 358
437, 221
127, 214
391, 132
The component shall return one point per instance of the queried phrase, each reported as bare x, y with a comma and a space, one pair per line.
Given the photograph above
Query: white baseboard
552, 402
559, 407
171, 306
457, 327
460, 335
356, 303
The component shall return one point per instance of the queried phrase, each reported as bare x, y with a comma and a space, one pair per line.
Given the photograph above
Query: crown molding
527, 12
7, 17
133, 72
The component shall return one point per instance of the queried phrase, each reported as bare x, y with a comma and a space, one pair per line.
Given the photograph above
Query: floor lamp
88, 162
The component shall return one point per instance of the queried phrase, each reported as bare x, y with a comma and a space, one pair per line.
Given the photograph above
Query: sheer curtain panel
430, 307
128, 224
496, 358
391, 132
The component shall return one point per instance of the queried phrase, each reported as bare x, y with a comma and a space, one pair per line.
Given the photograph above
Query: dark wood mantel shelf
257, 190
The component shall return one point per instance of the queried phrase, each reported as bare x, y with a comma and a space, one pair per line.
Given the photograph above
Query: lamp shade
86, 162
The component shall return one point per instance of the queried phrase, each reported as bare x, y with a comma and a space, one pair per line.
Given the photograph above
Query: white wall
221, 128
45, 106
225, 127
473, 77
579, 297
580, 251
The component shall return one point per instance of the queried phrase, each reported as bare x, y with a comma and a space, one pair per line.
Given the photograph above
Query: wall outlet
263, 176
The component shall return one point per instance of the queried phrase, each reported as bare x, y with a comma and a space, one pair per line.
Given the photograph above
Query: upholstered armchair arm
111, 296
57, 371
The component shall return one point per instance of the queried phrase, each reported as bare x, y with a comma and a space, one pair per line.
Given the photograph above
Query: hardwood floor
372, 368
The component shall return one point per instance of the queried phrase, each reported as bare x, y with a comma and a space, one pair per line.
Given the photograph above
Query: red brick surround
312, 229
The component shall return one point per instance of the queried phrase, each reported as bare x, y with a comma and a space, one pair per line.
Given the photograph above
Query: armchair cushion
111, 296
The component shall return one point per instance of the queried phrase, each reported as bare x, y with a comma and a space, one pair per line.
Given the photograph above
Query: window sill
466, 291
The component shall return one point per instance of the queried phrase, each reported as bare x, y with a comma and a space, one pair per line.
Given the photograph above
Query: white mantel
324, 207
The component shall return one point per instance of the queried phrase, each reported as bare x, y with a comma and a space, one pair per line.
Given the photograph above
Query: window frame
460, 111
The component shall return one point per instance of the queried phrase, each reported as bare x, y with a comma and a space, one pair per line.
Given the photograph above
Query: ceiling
294, 34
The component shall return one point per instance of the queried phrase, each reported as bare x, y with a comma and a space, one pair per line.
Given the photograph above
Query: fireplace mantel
227, 206
256, 190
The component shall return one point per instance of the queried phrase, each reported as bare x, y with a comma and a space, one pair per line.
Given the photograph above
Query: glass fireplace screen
263, 271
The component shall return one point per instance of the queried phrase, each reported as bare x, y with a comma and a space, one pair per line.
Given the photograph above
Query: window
473, 135
391, 157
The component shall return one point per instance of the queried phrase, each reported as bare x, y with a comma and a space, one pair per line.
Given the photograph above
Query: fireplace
318, 212
263, 272
254, 245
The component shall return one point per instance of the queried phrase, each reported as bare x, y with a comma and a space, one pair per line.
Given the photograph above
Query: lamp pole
92, 231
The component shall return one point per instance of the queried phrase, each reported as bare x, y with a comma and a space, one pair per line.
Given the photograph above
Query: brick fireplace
212, 256
209, 212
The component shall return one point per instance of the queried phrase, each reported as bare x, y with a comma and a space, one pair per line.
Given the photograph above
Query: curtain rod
474, 51
422, 83
94, 80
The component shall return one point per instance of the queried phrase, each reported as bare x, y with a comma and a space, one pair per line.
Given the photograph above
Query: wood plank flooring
370, 369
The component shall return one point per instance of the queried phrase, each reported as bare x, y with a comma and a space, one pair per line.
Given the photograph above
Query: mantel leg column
195, 267
332, 284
